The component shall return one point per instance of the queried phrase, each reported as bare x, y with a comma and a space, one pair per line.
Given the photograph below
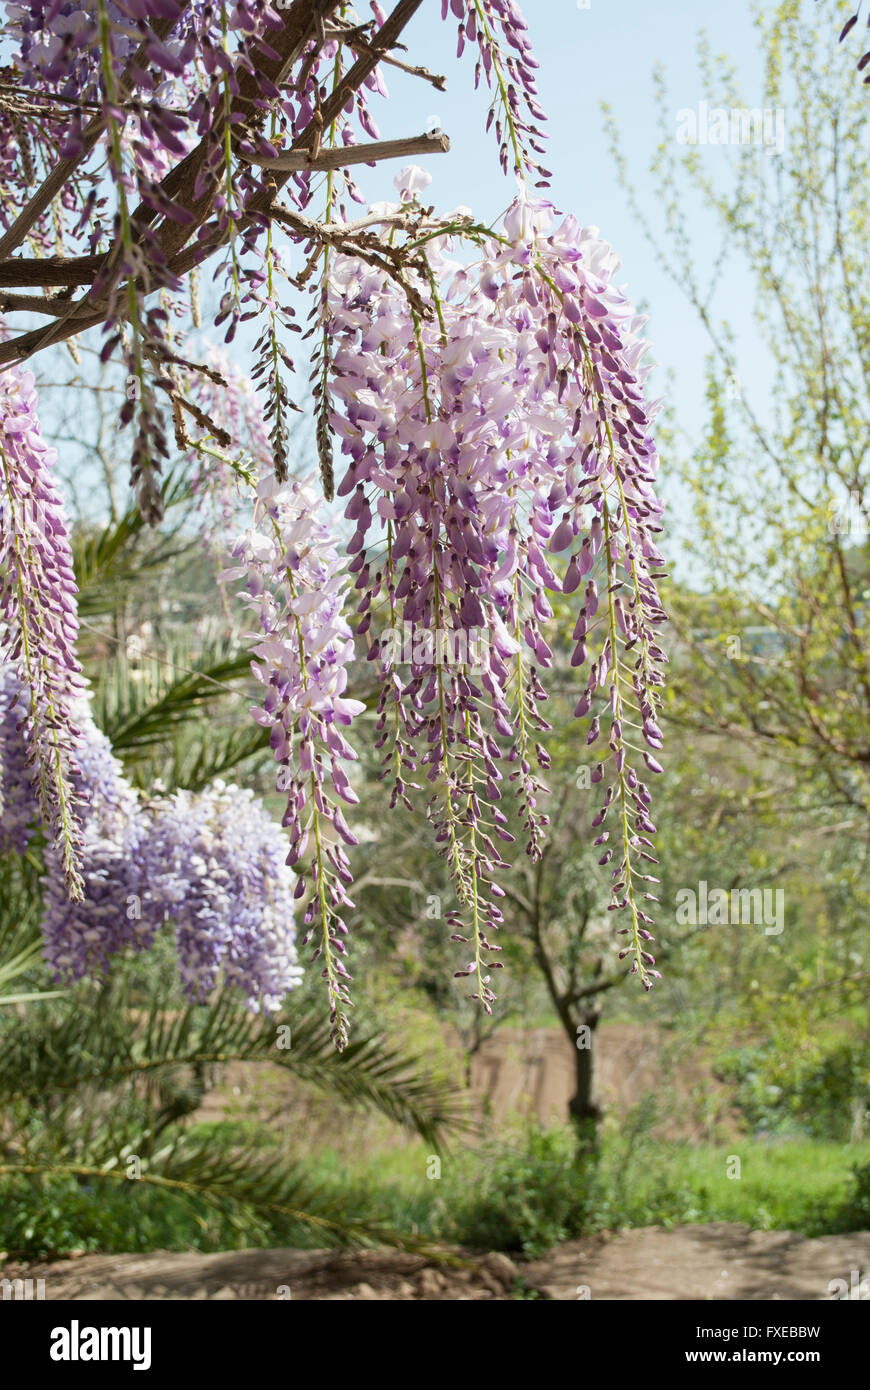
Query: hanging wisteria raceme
508, 68
17, 809
116, 910
214, 864
208, 865
188, 82
295, 586
38, 615
200, 113
506, 428
230, 448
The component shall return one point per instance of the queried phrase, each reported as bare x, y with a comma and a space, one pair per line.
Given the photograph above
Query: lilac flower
209, 865
295, 586
115, 910
38, 617
522, 397
215, 865
17, 807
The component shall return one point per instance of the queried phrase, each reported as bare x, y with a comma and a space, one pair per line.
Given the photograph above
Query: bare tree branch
436, 143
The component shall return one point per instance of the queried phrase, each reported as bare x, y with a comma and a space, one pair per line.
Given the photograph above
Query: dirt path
722, 1260
717, 1261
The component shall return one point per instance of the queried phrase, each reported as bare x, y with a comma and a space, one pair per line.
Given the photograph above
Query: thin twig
358, 44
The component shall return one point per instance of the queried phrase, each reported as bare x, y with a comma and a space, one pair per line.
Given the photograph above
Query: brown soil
721, 1260
717, 1261
531, 1072
516, 1072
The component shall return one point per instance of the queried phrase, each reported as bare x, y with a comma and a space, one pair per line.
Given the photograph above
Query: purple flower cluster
17, 809
506, 429
296, 585
81, 936
148, 88
59, 42
210, 866
214, 864
498, 447
38, 616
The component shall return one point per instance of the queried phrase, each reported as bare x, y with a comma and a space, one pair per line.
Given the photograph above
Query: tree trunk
584, 1113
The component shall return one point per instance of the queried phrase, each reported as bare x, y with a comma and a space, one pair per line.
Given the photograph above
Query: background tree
770, 688
777, 492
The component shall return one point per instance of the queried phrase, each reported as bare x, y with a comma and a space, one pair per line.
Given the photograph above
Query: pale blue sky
603, 53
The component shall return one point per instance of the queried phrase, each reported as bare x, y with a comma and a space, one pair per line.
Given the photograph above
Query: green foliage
523, 1190
113, 560
96, 1038
854, 1214
786, 1185
525, 1199
20, 941
54, 1217
774, 623
769, 701
824, 1094
136, 716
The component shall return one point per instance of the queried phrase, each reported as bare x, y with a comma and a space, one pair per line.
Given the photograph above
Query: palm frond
243, 1180
162, 703
216, 753
106, 1046
374, 1073
13, 967
157, 721
20, 942
109, 560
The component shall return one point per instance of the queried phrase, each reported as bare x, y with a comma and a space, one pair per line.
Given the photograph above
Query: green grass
799, 1185
805, 1186
522, 1193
